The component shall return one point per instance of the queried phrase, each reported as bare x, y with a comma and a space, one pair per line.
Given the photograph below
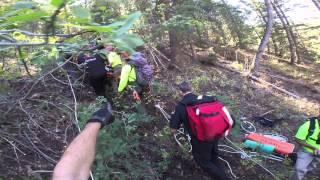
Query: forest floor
37, 120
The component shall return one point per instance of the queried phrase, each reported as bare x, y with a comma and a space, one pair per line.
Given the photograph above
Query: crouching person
136, 74
206, 120
309, 155
95, 69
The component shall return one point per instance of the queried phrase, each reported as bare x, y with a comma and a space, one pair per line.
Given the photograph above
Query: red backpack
209, 120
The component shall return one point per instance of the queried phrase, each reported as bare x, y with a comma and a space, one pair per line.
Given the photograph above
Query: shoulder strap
311, 127
317, 120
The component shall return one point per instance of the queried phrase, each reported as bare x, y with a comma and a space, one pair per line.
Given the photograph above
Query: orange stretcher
280, 146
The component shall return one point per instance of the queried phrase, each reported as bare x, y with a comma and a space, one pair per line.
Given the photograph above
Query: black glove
103, 115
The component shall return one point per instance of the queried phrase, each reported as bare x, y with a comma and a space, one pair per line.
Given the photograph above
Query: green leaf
26, 16
81, 14
132, 40
127, 24
128, 42
57, 3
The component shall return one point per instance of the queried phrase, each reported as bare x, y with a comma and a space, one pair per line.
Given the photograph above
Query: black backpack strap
311, 127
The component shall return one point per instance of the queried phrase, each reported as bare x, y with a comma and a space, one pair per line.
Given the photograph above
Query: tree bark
284, 21
274, 42
316, 3
173, 38
266, 35
294, 38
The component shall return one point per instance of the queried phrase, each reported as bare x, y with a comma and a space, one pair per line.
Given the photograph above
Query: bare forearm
302, 143
77, 159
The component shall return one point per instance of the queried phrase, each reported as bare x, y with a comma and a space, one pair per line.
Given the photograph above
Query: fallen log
298, 82
274, 86
260, 81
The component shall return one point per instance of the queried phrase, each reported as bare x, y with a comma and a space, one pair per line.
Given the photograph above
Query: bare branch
28, 33
29, 44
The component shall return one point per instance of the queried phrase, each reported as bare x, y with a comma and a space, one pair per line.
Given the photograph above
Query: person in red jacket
204, 153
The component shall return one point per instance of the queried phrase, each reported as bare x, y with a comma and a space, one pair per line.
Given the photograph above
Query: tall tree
290, 26
265, 20
317, 3
266, 35
290, 35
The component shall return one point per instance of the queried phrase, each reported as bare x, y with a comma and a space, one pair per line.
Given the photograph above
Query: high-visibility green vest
309, 132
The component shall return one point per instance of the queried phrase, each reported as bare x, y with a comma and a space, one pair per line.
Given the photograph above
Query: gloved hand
103, 115
136, 96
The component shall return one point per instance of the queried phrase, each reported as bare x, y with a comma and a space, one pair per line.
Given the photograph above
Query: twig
66, 134
38, 150
31, 119
75, 104
35, 83
268, 112
161, 54
58, 80
50, 103
154, 59
160, 61
41, 171
30, 44
13, 145
28, 33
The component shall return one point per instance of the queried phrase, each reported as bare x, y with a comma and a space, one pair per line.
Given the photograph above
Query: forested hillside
261, 58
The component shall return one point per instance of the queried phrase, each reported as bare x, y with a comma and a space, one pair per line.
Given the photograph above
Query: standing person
78, 157
204, 151
309, 155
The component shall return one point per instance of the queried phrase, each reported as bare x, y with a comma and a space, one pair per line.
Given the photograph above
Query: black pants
206, 155
98, 84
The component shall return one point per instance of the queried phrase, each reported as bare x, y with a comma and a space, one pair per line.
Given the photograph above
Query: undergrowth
118, 151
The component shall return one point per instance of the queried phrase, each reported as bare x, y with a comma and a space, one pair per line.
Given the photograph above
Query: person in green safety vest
309, 155
128, 77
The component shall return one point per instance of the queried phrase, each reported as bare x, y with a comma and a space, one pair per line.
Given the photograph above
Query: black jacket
180, 115
95, 65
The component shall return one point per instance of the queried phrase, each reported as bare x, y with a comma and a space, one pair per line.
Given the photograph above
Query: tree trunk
266, 35
293, 51
274, 43
317, 3
173, 38
292, 34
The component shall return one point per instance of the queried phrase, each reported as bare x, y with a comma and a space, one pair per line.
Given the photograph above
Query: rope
248, 127
180, 132
245, 155
228, 164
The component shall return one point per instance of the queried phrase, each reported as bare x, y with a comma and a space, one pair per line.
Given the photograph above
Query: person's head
184, 87
125, 55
